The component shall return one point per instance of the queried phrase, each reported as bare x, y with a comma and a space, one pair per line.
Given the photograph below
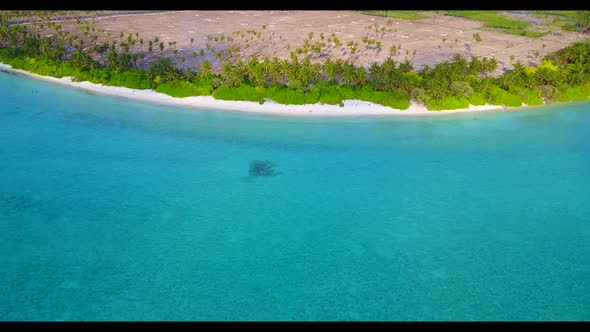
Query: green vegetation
130, 78
243, 92
182, 89
477, 99
447, 103
403, 14
494, 20
575, 93
528, 96
289, 97
499, 96
569, 20
396, 99
453, 84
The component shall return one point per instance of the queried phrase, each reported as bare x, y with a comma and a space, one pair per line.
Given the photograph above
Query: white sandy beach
351, 107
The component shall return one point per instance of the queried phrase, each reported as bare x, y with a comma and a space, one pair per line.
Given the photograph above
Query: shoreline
352, 108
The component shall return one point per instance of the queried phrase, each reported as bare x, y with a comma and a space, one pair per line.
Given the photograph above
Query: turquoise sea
119, 210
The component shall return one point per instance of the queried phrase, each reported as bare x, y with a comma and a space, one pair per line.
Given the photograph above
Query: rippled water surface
119, 210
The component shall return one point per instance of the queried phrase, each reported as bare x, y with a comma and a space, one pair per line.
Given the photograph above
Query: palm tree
376, 74
112, 60
292, 68
461, 62
406, 66
476, 66
235, 80
254, 72
348, 74
228, 72
388, 66
275, 71
205, 70
316, 72
266, 65
583, 18
257, 77
360, 77
330, 70
492, 65
45, 47
477, 37
5, 25
305, 72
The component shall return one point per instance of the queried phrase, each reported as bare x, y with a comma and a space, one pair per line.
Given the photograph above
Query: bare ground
287, 30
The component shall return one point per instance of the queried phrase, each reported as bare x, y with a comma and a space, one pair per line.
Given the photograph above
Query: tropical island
372, 65
134, 187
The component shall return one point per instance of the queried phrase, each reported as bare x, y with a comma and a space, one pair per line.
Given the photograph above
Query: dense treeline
453, 84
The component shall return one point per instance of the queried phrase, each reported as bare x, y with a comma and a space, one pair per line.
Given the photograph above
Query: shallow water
119, 210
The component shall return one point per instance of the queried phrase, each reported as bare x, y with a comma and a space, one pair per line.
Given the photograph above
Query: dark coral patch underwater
262, 168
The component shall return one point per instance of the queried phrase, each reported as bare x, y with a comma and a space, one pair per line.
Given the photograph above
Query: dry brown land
287, 30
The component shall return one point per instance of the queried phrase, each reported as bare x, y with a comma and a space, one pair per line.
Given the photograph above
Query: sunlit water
119, 210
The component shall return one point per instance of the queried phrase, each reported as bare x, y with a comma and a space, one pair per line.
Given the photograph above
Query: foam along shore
351, 107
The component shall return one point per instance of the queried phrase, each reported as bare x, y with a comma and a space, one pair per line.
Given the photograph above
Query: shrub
330, 93
461, 89
420, 95
312, 97
162, 71
243, 92
447, 103
562, 76
477, 99
364, 93
413, 79
547, 91
574, 93
475, 82
398, 99
295, 84
575, 53
183, 89
331, 97
529, 97
288, 97
500, 96
547, 64
133, 79
347, 92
